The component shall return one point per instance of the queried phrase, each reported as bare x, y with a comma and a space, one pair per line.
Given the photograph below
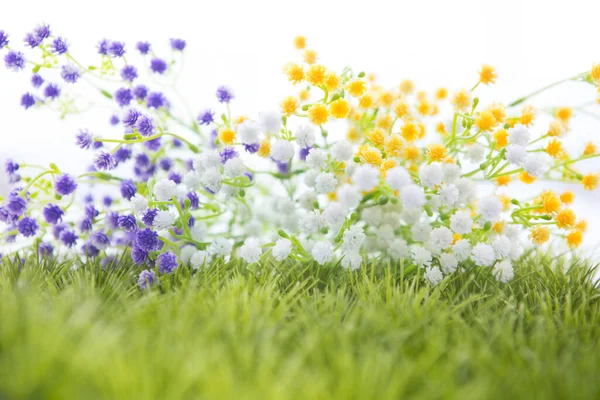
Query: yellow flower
353, 134
265, 148
526, 178
498, 227
384, 122
387, 164
550, 202
304, 95
567, 197
436, 152
393, 145
407, 86
499, 111
505, 200
565, 218
441, 93
574, 238
411, 153
227, 136
554, 148
424, 107
501, 138
410, 131
386, 99
355, 115
317, 114
377, 136
332, 81
564, 114
440, 128
332, 196
294, 72
461, 100
356, 88
487, 74
527, 115
299, 42
595, 73
582, 225
539, 235
289, 105
556, 128
370, 155
485, 121
240, 119
401, 108
503, 180
310, 56
590, 181
339, 108
316, 74
590, 149
366, 101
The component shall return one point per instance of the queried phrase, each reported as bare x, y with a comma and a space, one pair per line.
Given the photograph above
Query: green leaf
106, 94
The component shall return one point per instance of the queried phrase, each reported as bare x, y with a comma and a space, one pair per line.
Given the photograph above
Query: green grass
288, 331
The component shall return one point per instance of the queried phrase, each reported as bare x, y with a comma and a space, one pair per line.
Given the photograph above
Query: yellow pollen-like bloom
595, 73
461, 100
316, 74
498, 227
556, 128
499, 111
410, 131
564, 114
574, 238
539, 235
393, 145
332, 81
240, 119
424, 107
332, 196
386, 99
356, 88
387, 164
501, 138
227, 136
503, 180
304, 95
265, 148
590, 149
339, 108
289, 105
353, 134
317, 114
370, 155
299, 42
384, 122
526, 178
505, 200
421, 95
310, 56
366, 101
440, 128
294, 72
590, 181
423, 131
566, 219
527, 115
554, 148
550, 202
582, 226
456, 237
411, 153
567, 197
377, 136
487, 74
436, 152
485, 121
407, 86
441, 93
401, 108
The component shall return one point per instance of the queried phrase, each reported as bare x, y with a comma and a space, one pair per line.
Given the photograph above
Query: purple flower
103, 47
167, 262
27, 100
165, 164
146, 277
177, 44
45, 249
38, 35
206, 117
213, 138
116, 49
158, 65
107, 201
51, 91
129, 73
112, 220
59, 46
145, 125
90, 211
252, 148
175, 177
14, 60
304, 153
27, 226
100, 240
149, 215
70, 73
249, 175
114, 120
90, 250
128, 223
88, 197
153, 145
65, 184
128, 189
176, 142
123, 96
139, 255
227, 154
140, 92
194, 200
123, 154
282, 167
143, 47
3, 39
156, 100
4, 215
191, 222
58, 229
84, 139
85, 225
69, 238
53, 213
224, 94
16, 205
147, 239
37, 80
142, 161
131, 117
105, 161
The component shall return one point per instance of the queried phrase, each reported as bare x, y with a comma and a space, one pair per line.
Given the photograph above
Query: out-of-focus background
245, 44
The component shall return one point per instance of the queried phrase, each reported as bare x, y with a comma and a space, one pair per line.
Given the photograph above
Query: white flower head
334, 215
451, 172
305, 136
440, 238
353, 237
431, 175
449, 195
519, 135
316, 159
310, 177
164, 220
502, 246
212, 179
198, 231
220, 247
234, 167
325, 182
282, 249
208, 159
412, 196
448, 262
421, 256
433, 275
282, 150
349, 196
516, 154
490, 208
186, 253
312, 222
466, 189
475, 153
322, 252
270, 121
341, 150
534, 165
366, 177
461, 250
461, 222
251, 251
352, 259
139, 204
350, 167
397, 177
503, 271
192, 181
199, 258
398, 248
421, 231
483, 255
164, 189
248, 132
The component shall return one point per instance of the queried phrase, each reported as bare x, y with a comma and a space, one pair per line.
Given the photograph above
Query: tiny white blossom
341, 150
212, 179
519, 135
398, 248
234, 167
349, 196
440, 238
139, 204
322, 252
208, 159
282, 249
433, 275
248, 132
449, 195
164, 189
412, 196
353, 237
282, 150
490, 208
461, 222
366, 177
431, 175
461, 250
312, 222
421, 256
475, 153
502, 246
316, 158
310, 176
164, 220
325, 182
397, 177
251, 251
448, 262
334, 215
192, 181
350, 168
534, 165
411, 215
451, 172
483, 255
305, 136
503, 271
270, 121
466, 189
186, 253
220, 247
198, 231
352, 259
516, 154
420, 231
198, 259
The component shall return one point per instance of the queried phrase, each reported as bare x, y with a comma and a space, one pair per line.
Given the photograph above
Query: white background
245, 43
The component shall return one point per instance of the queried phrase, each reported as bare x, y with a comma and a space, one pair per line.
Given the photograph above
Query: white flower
503, 271
431, 175
325, 182
420, 231
198, 259
312, 222
421, 256
434, 202
198, 231
350, 168
282, 150
139, 204
519, 134
282, 249
483, 255
412, 196
449, 195
212, 179
534, 165
475, 153
341, 150
248, 132
466, 189
308, 200
451, 172
461, 222
440, 238
349, 196
397, 177
490, 208
208, 159
322, 252
316, 158
448, 262
164, 220
186, 253
305, 136
352, 259
516, 154
372, 216
433, 275
285, 205
192, 181
251, 251
220, 247
234, 167
366, 177
334, 215
270, 121
398, 248
461, 249
164, 189
512, 232
310, 176
502, 246
411, 215
353, 237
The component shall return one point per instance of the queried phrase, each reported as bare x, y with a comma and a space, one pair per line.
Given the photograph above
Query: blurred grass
287, 330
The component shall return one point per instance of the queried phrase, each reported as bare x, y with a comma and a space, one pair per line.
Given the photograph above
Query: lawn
284, 331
